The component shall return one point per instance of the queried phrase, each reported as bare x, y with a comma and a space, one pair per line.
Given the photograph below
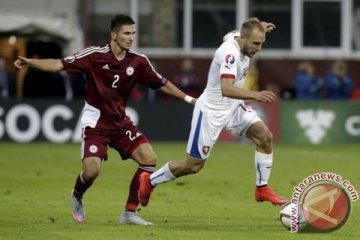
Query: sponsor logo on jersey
70, 59
106, 66
129, 71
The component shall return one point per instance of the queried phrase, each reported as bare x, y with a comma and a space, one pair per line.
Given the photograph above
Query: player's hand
265, 96
268, 26
21, 62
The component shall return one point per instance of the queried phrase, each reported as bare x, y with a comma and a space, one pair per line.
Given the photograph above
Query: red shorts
124, 140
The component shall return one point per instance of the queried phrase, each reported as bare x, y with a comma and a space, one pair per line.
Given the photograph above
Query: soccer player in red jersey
112, 71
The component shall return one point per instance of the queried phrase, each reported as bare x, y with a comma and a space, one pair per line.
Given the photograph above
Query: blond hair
249, 25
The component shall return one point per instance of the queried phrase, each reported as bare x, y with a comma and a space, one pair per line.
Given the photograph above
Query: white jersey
228, 62
212, 111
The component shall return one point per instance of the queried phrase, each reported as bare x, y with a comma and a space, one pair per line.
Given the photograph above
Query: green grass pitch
217, 203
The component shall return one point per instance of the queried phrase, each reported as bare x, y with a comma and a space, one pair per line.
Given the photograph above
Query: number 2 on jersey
131, 137
116, 79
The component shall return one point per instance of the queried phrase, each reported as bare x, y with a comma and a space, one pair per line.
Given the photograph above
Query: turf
217, 203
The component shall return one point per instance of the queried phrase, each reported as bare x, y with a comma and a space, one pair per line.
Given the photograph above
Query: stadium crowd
307, 84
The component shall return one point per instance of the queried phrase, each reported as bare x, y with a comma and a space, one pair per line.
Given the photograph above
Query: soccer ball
285, 215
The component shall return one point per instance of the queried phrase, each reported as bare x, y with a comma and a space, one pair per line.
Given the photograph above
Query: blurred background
311, 61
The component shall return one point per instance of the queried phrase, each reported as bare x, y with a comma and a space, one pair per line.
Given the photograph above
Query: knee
265, 141
91, 171
90, 174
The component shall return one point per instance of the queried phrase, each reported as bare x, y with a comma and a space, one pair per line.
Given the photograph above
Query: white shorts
207, 124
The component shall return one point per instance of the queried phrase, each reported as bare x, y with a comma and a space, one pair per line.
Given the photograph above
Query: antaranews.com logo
321, 203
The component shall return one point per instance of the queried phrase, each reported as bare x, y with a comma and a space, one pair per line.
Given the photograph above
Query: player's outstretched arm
172, 90
229, 90
265, 96
48, 65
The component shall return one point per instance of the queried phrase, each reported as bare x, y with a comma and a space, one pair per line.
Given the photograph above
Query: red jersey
110, 82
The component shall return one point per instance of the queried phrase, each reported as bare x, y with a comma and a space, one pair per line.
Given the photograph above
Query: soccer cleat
128, 217
145, 188
266, 194
77, 209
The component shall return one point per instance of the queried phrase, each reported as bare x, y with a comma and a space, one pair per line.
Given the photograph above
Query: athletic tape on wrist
188, 99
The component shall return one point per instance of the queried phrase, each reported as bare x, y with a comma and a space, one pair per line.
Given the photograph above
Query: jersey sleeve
78, 62
150, 77
228, 64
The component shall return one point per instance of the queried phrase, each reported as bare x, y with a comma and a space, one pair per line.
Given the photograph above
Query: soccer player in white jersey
221, 105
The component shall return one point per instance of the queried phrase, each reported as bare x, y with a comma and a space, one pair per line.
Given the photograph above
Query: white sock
162, 175
263, 163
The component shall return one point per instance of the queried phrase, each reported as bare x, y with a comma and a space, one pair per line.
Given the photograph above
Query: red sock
81, 185
133, 200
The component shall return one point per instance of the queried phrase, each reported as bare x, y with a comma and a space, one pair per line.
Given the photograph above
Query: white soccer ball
285, 215
286, 212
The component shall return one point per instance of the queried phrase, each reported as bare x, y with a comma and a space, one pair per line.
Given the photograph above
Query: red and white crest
205, 149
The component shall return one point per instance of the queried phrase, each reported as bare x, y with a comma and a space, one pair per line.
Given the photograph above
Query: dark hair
120, 20
249, 25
